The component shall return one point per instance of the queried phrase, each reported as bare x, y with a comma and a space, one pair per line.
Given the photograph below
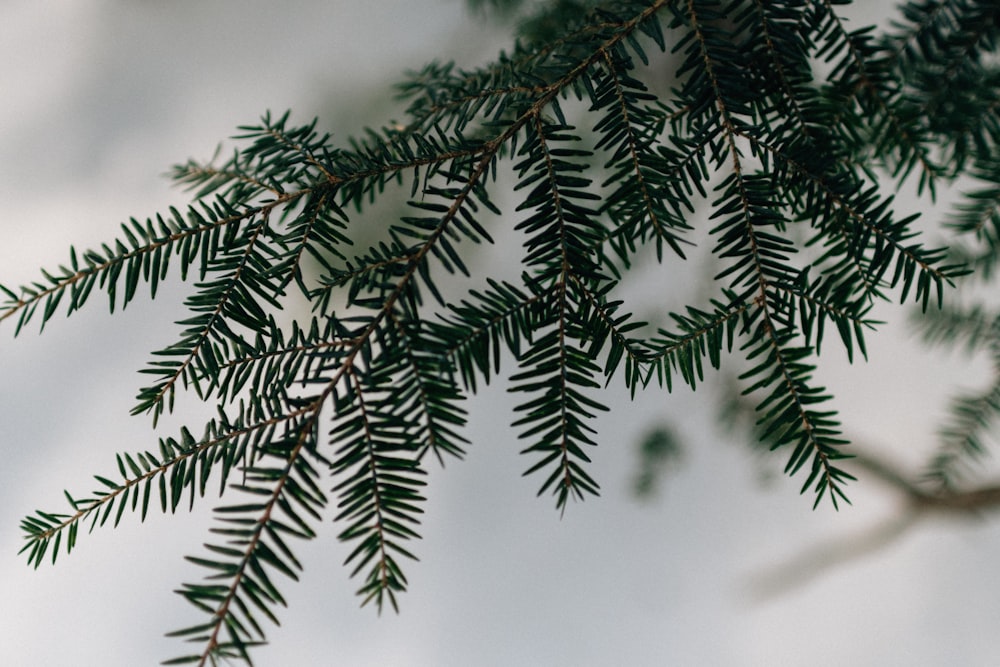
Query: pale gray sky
100, 98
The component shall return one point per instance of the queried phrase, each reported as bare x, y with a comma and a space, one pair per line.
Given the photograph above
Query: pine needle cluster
617, 123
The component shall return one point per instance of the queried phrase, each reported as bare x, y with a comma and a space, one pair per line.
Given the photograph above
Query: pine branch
254, 543
606, 164
224, 299
700, 333
144, 255
181, 465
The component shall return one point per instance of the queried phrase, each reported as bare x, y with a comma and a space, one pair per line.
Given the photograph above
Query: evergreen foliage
617, 124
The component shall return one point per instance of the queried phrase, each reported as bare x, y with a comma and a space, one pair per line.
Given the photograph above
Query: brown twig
919, 503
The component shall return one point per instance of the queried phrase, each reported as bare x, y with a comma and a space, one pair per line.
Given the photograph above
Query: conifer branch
605, 164
253, 553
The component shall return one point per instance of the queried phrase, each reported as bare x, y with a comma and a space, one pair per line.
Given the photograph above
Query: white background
100, 98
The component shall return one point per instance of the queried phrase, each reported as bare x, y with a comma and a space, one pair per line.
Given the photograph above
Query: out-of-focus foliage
659, 453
